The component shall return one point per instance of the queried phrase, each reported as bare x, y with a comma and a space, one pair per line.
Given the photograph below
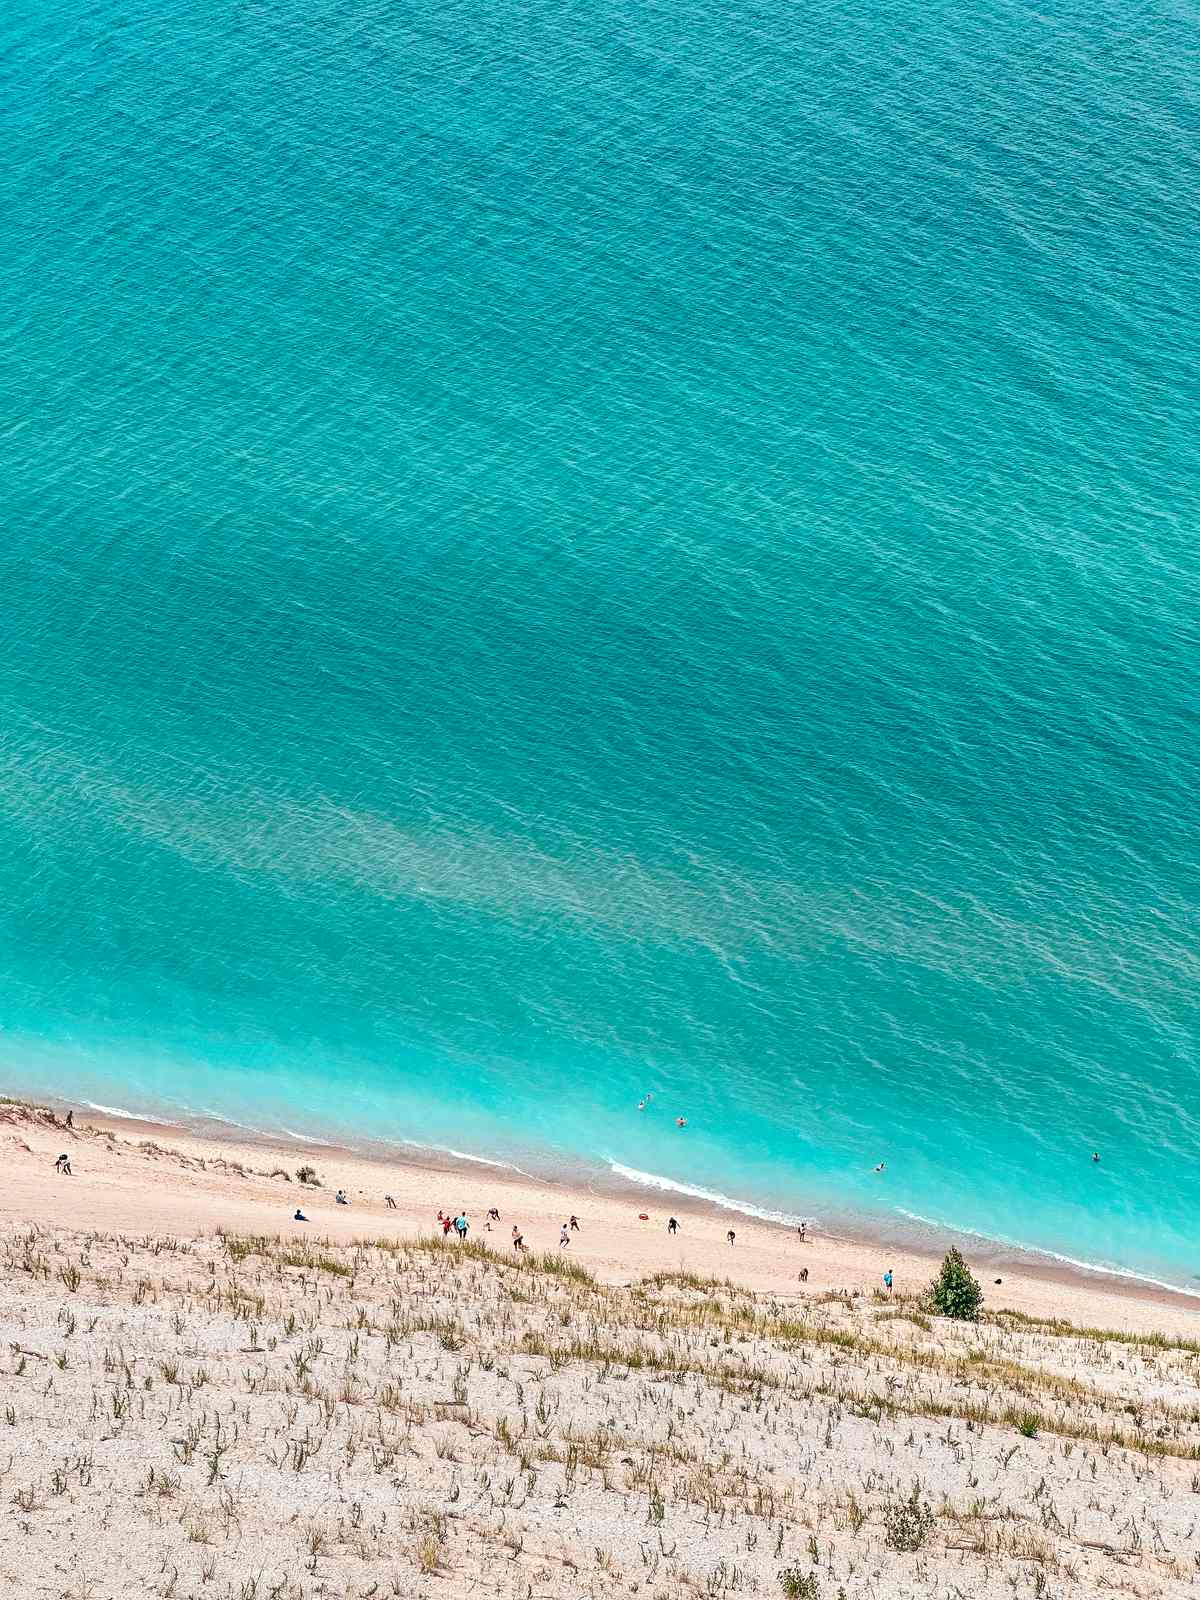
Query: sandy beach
204, 1400
129, 1174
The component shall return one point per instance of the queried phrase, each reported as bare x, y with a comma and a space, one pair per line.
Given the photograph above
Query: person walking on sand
63, 1166
461, 1225
447, 1224
564, 1238
391, 1203
803, 1274
518, 1240
672, 1225
574, 1223
802, 1230
70, 1119
731, 1236
887, 1280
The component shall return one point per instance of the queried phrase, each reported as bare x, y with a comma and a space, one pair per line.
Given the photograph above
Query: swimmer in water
681, 1122
880, 1167
1095, 1155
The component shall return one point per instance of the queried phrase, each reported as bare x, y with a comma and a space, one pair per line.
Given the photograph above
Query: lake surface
555, 553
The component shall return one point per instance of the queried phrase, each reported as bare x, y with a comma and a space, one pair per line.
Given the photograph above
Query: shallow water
556, 553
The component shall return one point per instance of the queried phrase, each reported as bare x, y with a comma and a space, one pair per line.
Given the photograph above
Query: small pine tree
955, 1292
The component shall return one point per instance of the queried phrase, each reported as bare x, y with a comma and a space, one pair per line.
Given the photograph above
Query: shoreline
880, 1232
1002, 1255
614, 1242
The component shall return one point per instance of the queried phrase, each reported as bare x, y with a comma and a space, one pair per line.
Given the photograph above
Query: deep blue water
557, 551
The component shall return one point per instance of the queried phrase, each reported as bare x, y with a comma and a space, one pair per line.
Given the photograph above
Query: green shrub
955, 1292
907, 1523
797, 1585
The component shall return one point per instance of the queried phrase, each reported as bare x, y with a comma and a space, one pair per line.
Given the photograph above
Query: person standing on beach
731, 1236
70, 1119
672, 1225
887, 1280
461, 1225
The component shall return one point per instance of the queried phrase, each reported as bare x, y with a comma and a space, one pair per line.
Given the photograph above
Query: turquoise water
556, 551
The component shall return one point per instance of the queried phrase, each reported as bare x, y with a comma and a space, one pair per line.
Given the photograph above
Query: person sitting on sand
339, 1198
391, 1203
731, 1236
63, 1166
564, 1238
672, 1225
299, 1216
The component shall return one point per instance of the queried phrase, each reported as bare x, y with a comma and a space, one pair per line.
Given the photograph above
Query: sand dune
200, 1398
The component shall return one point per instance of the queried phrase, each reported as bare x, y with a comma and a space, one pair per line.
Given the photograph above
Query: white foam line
460, 1155
129, 1116
302, 1138
1052, 1255
652, 1180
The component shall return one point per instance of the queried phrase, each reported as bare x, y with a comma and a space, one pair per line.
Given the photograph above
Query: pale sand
117, 1186
198, 1416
